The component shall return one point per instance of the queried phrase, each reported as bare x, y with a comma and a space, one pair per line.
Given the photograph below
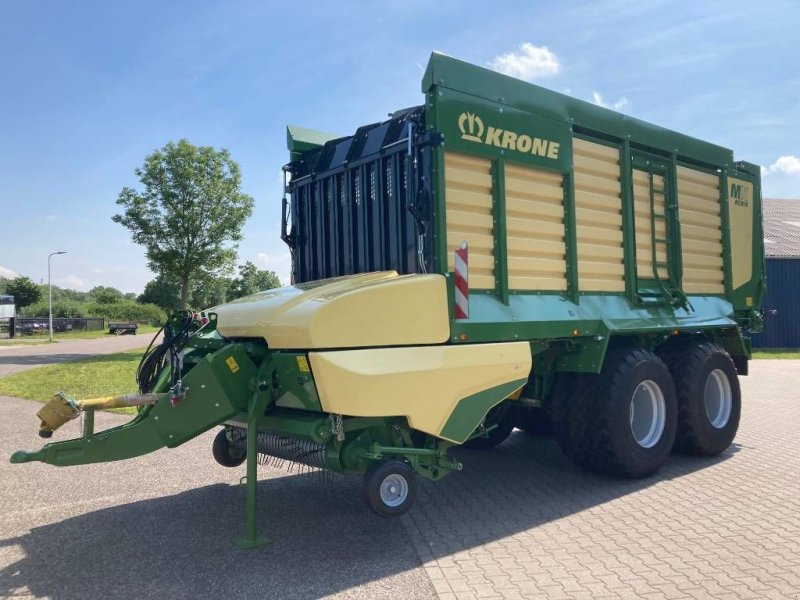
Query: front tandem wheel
390, 488
227, 453
621, 422
636, 415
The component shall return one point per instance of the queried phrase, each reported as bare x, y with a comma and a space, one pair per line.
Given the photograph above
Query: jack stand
251, 539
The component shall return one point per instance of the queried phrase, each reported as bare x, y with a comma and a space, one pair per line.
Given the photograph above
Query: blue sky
88, 89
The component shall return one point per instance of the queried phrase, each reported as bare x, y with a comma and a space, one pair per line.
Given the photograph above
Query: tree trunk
184, 292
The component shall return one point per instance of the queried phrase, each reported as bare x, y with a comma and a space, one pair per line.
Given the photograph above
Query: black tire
226, 453
632, 375
536, 421
383, 476
574, 399
693, 369
501, 415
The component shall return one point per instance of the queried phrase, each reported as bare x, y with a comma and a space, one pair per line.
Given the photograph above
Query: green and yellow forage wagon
501, 256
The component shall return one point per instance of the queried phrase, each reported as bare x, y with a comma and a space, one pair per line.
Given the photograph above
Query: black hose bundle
155, 359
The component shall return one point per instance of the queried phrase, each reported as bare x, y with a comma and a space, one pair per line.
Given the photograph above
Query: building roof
781, 228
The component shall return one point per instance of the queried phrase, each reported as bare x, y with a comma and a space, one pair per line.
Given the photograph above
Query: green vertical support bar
674, 223
628, 224
251, 539
88, 423
727, 268
439, 200
500, 229
571, 235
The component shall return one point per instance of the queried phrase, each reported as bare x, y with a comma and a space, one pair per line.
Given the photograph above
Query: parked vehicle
499, 256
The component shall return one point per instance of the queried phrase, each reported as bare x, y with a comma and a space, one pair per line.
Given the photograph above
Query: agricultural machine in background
500, 256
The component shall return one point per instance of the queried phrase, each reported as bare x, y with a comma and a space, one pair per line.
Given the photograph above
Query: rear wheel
501, 416
574, 399
225, 452
709, 399
390, 488
635, 417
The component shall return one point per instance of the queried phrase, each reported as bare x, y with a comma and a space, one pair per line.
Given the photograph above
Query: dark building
782, 251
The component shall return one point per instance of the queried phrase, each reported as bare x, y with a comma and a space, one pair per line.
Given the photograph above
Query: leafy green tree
162, 291
210, 291
105, 295
251, 280
24, 290
65, 294
61, 308
190, 214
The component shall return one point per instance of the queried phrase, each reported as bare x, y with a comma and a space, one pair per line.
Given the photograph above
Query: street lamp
50, 293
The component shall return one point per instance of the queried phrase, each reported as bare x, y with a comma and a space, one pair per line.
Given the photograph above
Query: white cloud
280, 263
788, 165
270, 260
72, 282
5, 272
52, 218
529, 63
597, 98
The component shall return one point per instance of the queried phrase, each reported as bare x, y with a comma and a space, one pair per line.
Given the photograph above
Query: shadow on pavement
323, 538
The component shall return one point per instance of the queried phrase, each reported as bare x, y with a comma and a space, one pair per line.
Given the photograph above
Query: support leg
88, 423
251, 538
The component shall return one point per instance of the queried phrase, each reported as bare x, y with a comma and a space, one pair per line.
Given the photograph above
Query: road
518, 522
14, 359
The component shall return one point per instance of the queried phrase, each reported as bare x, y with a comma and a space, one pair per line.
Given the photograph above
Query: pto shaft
62, 408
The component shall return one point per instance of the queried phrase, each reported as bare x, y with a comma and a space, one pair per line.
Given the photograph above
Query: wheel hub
718, 399
394, 490
647, 414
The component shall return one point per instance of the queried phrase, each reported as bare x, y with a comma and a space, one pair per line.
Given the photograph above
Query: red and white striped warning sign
462, 281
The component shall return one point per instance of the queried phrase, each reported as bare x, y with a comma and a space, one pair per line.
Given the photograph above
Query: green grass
788, 353
105, 375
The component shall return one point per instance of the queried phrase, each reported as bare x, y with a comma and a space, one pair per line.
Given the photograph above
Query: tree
105, 295
162, 291
210, 291
24, 290
190, 215
252, 280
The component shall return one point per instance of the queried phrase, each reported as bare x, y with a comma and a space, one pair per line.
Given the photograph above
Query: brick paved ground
519, 522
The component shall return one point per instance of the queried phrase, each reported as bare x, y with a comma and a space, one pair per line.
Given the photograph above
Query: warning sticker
302, 364
232, 364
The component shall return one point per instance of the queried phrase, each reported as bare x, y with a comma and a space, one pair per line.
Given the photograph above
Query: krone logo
471, 127
473, 130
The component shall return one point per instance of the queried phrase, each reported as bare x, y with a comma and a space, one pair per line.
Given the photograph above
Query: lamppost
50, 293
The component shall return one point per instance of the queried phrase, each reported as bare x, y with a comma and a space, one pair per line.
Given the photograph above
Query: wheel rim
394, 490
648, 413
718, 398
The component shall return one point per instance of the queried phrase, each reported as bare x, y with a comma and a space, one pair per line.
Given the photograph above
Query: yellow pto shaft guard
62, 408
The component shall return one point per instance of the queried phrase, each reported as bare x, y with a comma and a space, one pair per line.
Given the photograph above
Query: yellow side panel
701, 231
598, 217
644, 227
423, 384
372, 309
535, 229
468, 193
740, 213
